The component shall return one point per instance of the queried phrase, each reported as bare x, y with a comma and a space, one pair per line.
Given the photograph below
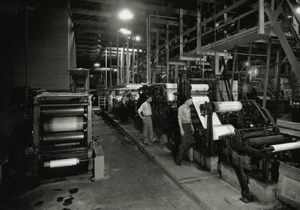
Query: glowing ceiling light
298, 10
137, 38
125, 31
125, 14
96, 64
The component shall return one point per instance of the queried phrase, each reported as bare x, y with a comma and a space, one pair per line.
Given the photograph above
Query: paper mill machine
62, 134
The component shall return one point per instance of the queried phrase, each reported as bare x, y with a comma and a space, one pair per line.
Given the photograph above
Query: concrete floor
132, 181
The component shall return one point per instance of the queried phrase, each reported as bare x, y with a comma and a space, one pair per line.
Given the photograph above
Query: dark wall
47, 46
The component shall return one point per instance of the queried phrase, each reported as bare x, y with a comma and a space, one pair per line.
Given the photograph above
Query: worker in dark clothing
186, 129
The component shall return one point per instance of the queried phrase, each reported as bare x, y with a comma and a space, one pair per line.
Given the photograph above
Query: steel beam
267, 73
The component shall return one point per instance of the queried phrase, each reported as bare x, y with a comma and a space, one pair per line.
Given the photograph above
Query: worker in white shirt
145, 113
186, 129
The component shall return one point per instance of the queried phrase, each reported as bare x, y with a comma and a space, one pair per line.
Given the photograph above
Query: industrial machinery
245, 135
240, 133
62, 135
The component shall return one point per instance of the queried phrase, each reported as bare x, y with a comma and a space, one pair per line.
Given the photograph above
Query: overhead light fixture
247, 63
137, 38
125, 14
96, 65
298, 10
125, 31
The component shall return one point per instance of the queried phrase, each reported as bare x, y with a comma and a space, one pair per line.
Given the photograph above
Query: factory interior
86, 83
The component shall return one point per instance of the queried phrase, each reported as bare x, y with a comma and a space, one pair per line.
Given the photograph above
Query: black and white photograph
150, 105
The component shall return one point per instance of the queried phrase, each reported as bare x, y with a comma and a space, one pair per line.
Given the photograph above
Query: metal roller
266, 140
253, 134
228, 106
63, 137
63, 111
61, 124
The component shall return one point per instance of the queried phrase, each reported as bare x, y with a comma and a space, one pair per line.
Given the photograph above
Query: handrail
237, 4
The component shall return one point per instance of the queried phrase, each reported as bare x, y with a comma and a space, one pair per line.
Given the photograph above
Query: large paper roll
200, 87
197, 101
60, 124
285, 147
222, 130
228, 106
170, 94
61, 163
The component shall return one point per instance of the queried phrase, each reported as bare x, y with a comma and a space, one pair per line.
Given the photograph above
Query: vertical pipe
277, 77
127, 61
248, 62
233, 68
198, 27
118, 59
266, 82
137, 62
167, 52
133, 60
105, 68
110, 66
156, 55
148, 47
181, 32
261, 17
122, 65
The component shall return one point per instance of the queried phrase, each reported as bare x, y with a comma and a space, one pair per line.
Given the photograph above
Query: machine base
263, 192
289, 185
209, 162
99, 164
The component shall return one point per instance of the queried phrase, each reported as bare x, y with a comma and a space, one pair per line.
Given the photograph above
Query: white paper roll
197, 101
60, 124
61, 163
285, 147
171, 85
228, 106
200, 87
221, 130
170, 94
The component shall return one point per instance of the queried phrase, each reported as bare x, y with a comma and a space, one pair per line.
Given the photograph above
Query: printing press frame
57, 150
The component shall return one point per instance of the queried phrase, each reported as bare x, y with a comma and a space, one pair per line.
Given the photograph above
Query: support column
198, 27
266, 82
133, 60
118, 60
167, 52
261, 17
110, 65
127, 62
148, 41
180, 32
233, 68
105, 68
278, 74
156, 55
122, 66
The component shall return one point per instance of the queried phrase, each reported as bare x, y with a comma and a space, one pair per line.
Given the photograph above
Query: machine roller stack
62, 132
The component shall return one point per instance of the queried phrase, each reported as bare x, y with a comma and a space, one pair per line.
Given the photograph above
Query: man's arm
140, 110
179, 122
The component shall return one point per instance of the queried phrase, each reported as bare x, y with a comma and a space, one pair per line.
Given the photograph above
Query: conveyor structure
62, 134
